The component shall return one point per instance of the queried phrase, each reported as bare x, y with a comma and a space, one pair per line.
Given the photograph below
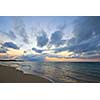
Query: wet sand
11, 75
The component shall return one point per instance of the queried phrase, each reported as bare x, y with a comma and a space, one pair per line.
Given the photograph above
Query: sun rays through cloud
59, 38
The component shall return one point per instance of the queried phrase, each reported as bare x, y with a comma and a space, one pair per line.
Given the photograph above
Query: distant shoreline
11, 75
12, 60
52, 61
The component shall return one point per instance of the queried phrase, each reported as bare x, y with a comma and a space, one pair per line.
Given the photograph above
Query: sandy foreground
11, 75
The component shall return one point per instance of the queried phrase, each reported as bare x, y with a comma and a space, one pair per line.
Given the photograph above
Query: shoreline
11, 75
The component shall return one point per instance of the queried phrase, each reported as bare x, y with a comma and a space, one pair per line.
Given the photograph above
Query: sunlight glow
13, 52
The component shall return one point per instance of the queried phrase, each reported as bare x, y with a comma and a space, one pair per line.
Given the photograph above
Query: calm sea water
60, 71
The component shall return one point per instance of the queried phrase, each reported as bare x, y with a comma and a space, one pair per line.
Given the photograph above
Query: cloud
41, 57
56, 39
87, 34
32, 57
3, 49
82, 38
9, 34
62, 27
10, 45
37, 50
85, 27
19, 29
42, 39
86, 37
85, 46
12, 35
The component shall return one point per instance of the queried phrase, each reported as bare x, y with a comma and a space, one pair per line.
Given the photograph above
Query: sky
50, 38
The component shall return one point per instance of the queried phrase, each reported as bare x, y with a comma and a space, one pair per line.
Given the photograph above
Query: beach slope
11, 75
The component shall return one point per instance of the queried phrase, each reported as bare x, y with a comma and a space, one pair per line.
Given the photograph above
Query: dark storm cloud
42, 39
85, 46
56, 39
10, 45
92, 54
86, 36
85, 26
87, 33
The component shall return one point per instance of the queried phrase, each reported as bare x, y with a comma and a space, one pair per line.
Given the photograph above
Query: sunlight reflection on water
60, 72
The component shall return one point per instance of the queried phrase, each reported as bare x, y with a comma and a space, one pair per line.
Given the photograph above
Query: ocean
60, 72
